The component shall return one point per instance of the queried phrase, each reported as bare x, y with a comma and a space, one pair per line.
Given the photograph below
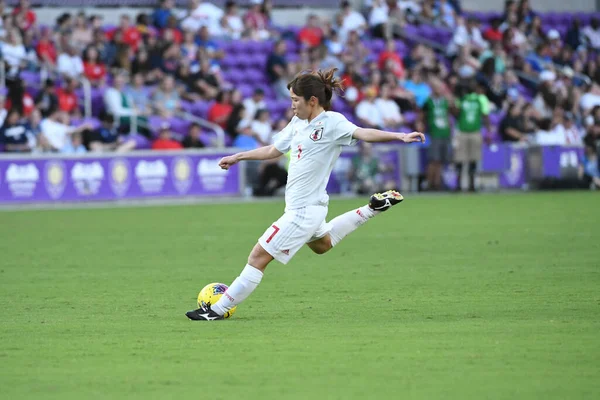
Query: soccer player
316, 137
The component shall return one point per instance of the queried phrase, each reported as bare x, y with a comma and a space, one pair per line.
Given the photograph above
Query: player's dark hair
320, 84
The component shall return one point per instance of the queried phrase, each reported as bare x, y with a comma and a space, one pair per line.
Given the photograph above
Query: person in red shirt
45, 48
94, 70
175, 35
131, 35
18, 98
493, 33
311, 35
219, 112
165, 141
67, 99
389, 58
25, 14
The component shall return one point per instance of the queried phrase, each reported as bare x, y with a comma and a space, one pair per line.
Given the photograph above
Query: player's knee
259, 258
322, 246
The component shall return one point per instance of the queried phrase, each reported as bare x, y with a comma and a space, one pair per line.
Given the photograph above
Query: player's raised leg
342, 225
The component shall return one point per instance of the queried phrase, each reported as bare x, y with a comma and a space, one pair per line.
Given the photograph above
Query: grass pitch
466, 297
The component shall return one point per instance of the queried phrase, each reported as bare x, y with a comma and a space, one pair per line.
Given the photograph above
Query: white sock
343, 225
241, 288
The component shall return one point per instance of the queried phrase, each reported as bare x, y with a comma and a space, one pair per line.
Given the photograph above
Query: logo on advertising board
22, 179
56, 178
516, 168
212, 177
120, 178
87, 177
151, 175
181, 168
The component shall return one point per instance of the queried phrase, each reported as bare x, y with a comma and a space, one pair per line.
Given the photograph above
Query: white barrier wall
538, 5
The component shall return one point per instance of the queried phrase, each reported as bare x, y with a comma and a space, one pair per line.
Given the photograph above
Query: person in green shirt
366, 171
434, 119
472, 110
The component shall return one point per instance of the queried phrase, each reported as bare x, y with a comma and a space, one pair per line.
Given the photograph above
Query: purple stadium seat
141, 142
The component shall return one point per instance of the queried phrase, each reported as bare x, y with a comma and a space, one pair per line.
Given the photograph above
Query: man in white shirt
590, 99
314, 137
254, 103
203, 14
13, 51
466, 34
592, 34
351, 21
388, 108
70, 63
56, 132
368, 112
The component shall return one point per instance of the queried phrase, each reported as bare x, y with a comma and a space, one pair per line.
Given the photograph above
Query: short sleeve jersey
315, 147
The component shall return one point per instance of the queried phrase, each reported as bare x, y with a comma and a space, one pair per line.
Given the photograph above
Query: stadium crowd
512, 77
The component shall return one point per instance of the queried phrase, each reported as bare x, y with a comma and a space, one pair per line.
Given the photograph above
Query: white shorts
293, 230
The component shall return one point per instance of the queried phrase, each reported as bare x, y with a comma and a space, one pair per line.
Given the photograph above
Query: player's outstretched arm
262, 153
375, 135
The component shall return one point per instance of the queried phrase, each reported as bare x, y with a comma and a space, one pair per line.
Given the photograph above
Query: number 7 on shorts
275, 230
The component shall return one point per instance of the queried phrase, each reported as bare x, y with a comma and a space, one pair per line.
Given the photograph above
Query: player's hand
227, 162
413, 137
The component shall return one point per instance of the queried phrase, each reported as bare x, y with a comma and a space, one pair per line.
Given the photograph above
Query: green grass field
466, 297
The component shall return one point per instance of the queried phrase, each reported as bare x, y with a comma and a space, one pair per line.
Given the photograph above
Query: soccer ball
211, 293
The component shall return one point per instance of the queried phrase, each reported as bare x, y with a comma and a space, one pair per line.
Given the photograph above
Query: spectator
256, 21
262, 126
203, 13
56, 133
588, 173
219, 112
574, 37
171, 33
276, 70
466, 34
142, 24
34, 130
45, 48
365, 174
18, 98
13, 52
143, 66
418, 86
121, 106
378, 19
24, 13
75, 145
162, 13
192, 140
473, 111
67, 99
590, 99
311, 34
367, 111
202, 84
107, 50
351, 20
511, 14
131, 35
434, 119
93, 69
13, 133
535, 32
445, 13
390, 60
493, 33
46, 100
592, 34
524, 12
334, 45
272, 175
564, 131
171, 59
511, 126
166, 98
139, 95
70, 63
545, 101
254, 103
233, 25
189, 48
389, 110
165, 140
209, 48
106, 138
355, 51
83, 34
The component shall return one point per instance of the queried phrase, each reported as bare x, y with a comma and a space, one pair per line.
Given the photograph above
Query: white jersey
315, 147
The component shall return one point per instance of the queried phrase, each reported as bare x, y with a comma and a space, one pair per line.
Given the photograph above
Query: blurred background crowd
206, 76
